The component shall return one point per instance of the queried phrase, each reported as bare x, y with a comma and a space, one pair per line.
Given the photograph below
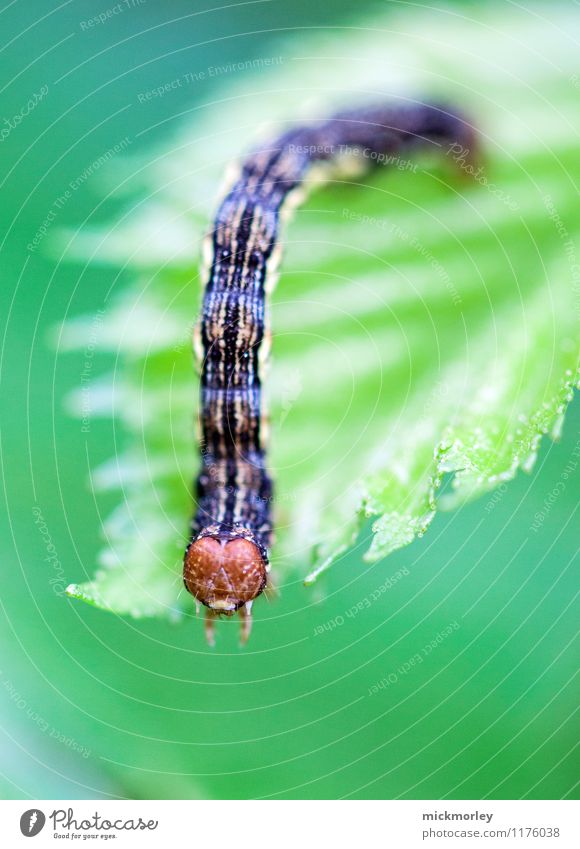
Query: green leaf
425, 323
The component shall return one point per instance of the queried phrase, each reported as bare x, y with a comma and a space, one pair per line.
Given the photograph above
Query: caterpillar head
225, 574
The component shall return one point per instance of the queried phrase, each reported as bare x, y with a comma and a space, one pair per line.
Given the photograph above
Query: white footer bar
257, 824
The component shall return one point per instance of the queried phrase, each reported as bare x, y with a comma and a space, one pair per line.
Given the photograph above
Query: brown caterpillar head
224, 574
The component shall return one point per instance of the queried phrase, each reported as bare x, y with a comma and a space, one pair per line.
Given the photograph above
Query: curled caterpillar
226, 563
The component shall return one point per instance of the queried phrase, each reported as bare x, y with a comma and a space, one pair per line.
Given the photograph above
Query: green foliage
425, 323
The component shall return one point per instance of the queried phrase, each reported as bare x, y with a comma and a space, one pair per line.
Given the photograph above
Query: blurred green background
94, 705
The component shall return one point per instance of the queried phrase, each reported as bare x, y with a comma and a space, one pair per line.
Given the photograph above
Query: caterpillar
226, 563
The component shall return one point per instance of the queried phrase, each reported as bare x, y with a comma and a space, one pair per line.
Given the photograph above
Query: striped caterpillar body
226, 562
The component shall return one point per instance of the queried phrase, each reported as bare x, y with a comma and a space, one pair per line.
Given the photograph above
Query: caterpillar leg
208, 627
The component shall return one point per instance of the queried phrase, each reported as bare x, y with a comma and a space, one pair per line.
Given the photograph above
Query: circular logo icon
32, 822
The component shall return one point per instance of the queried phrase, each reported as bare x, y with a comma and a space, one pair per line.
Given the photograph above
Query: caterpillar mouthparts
225, 574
